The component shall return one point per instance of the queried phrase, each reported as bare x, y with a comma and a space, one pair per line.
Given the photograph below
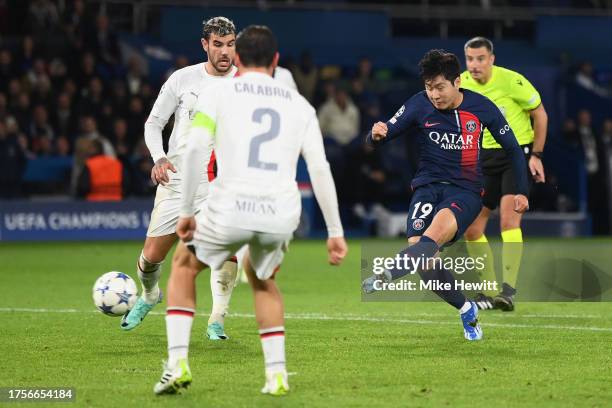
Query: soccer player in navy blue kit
448, 122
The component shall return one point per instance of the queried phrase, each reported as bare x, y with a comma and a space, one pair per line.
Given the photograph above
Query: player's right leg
179, 318
447, 225
149, 270
161, 237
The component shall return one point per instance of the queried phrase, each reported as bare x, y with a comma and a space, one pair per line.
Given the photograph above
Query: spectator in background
28, 53
586, 79
41, 132
12, 163
22, 111
102, 41
36, 72
102, 177
64, 119
365, 73
136, 117
70, 87
135, 75
588, 142
366, 169
339, 118
63, 147
142, 183
89, 131
339, 121
14, 90
606, 133
92, 99
42, 94
58, 72
7, 70
86, 72
570, 133
75, 22
306, 76
43, 18
119, 96
120, 139
3, 107
595, 175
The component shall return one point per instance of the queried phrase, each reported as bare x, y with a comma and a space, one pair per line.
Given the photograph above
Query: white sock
178, 330
273, 345
466, 306
149, 274
221, 287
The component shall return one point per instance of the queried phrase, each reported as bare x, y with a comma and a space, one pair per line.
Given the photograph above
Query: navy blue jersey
450, 140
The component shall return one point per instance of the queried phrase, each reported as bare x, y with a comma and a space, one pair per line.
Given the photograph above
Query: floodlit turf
340, 352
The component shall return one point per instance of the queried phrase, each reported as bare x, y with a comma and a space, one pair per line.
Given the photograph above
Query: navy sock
425, 248
453, 297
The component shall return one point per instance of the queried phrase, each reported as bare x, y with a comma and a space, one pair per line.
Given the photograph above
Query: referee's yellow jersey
514, 96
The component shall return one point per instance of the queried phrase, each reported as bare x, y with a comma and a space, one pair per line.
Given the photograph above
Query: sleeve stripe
202, 120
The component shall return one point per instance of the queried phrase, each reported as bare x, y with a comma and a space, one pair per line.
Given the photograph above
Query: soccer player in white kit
259, 127
177, 96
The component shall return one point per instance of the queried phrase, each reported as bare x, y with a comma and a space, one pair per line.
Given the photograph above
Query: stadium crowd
64, 82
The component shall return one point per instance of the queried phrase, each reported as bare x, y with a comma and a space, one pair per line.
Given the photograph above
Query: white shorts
166, 209
215, 244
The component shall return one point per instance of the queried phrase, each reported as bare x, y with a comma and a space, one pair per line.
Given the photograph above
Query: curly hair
220, 26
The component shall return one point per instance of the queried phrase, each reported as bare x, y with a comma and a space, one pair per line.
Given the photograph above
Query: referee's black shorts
499, 178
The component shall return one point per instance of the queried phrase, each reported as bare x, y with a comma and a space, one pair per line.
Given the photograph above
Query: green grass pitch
341, 352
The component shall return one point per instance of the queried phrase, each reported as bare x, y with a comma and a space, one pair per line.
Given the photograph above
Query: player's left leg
261, 264
179, 318
512, 252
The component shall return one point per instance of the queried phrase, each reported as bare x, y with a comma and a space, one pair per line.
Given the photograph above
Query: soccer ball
114, 293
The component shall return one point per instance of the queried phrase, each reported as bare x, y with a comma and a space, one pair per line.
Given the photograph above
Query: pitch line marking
355, 318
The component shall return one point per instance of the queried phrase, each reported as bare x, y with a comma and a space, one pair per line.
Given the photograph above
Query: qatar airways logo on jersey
452, 141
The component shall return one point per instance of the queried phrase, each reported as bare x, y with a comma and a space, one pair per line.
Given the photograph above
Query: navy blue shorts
427, 200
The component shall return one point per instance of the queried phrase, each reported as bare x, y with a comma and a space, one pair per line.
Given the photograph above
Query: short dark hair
439, 62
479, 42
220, 26
256, 46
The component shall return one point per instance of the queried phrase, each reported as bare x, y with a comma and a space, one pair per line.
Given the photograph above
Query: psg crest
470, 126
418, 224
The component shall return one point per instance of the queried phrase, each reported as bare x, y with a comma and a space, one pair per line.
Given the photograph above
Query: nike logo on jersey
427, 124
454, 205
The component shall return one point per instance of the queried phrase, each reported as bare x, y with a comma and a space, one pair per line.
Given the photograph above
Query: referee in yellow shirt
520, 103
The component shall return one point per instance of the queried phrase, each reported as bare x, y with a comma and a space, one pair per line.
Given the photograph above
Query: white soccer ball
114, 293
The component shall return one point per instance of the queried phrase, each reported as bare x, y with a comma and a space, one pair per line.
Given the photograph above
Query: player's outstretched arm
324, 190
383, 132
378, 132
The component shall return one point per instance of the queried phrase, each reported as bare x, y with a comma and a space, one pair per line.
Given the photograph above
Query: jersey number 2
260, 139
